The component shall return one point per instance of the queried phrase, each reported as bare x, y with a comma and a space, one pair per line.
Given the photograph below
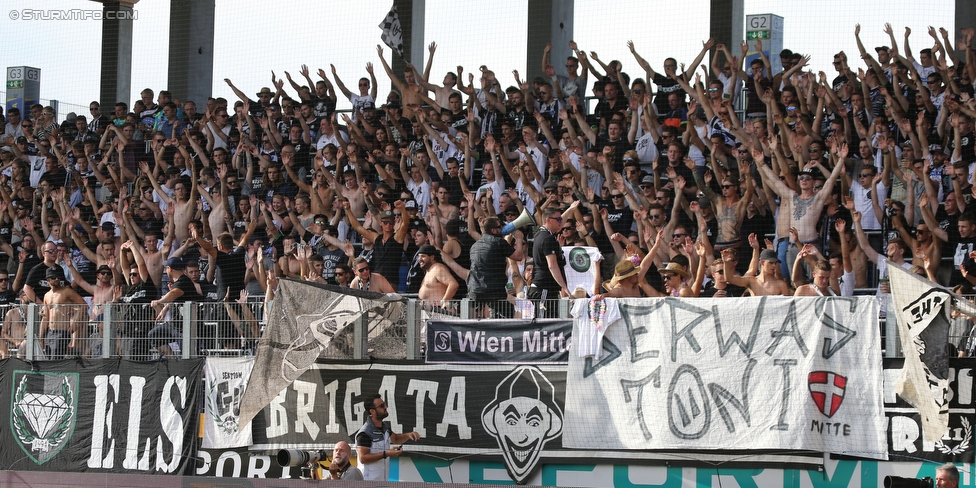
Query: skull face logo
522, 418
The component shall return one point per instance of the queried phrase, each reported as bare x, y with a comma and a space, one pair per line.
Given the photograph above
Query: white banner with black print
752, 373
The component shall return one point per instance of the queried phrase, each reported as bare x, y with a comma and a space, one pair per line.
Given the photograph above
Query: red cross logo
827, 390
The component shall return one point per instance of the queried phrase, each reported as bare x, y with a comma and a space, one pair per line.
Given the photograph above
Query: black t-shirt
731, 290
544, 245
620, 146
144, 292
232, 268
190, 294
37, 280
665, 87
950, 224
487, 277
386, 259
961, 248
621, 219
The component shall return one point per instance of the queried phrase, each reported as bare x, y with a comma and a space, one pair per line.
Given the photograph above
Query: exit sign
763, 34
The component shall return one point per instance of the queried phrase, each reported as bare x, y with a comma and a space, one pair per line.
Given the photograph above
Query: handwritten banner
753, 373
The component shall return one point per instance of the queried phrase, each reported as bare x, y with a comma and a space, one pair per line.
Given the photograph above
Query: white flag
392, 33
225, 379
922, 309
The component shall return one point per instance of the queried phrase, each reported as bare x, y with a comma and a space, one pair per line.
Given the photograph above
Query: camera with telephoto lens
899, 482
297, 457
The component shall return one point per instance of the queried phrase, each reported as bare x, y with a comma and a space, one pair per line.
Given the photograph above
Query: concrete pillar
412, 13
559, 32
116, 69
725, 25
965, 17
191, 42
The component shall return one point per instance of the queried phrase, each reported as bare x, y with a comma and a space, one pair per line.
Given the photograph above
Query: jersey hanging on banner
582, 264
225, 379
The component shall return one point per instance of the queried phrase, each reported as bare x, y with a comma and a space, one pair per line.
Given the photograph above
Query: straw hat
675, 268
624, 269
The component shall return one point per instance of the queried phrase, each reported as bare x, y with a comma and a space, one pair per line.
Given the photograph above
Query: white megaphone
524, 219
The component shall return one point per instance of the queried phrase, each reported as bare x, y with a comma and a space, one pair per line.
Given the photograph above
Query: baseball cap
769, 255
175, 263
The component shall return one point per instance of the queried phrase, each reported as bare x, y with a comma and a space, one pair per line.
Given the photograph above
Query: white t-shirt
588, 335
581, 267
37, 169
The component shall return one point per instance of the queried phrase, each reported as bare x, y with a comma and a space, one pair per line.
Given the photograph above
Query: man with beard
340, 468
438, 286
374, 438
64, 309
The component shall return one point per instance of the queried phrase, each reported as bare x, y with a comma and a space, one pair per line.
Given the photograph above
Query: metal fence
187, 330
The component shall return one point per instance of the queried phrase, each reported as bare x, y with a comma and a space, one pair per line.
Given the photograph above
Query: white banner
753, 373
922, 308
225, 379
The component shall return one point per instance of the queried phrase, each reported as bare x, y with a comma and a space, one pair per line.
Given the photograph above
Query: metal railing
220, 329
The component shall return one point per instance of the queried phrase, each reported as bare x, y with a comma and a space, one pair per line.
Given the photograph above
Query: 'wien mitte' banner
501, 341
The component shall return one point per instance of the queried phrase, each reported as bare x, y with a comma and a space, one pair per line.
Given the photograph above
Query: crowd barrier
132, 331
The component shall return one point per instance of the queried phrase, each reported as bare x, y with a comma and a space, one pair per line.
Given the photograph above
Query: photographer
340, 468
374, 438
947, 476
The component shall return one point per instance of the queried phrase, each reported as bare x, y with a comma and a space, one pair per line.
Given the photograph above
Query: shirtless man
730, 208
365, 280
438, 286
408, 88
442, 94
14, 332
289, 265
103, 289
445, 211
766, 283
803, 208
821, 282
62, 315
353, 192
151, 255
184, 201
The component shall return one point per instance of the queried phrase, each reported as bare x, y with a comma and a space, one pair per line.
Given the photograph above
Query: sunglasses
726, 187
104, 272
678, 236
362, 270
868, 175
616, 196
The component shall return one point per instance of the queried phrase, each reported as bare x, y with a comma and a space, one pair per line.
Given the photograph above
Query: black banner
507, 413
100, 415
905, 424
241, 463
499, 341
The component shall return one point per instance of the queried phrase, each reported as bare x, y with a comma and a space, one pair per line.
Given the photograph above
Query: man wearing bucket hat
767, 283
627, 282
